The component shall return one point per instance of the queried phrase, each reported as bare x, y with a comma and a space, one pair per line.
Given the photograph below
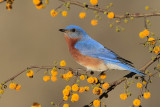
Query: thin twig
97, 8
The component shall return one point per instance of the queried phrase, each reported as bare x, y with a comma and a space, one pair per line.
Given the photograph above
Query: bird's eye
73, 30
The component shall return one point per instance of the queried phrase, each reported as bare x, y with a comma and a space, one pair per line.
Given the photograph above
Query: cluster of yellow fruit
110, 15
137, 102
146, 95
144, 33
68, 75
53, 76
74, 96
15, 86
9, 4
55, 13
151, 40
98, 91
38, 4
94, 79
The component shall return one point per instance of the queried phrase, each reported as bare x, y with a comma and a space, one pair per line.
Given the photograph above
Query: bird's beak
62, 30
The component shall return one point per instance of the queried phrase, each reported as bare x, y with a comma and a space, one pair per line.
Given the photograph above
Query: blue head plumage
73, 31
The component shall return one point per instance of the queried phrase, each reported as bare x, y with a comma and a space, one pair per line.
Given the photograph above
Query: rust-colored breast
90, 63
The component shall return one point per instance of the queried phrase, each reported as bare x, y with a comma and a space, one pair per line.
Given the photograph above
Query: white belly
113, 66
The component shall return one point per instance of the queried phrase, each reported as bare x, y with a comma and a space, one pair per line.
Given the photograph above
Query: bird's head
74, 32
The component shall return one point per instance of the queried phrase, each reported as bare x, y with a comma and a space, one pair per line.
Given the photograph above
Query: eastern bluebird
91, 54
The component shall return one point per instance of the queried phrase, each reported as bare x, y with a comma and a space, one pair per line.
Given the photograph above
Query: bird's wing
94, 49
91, 47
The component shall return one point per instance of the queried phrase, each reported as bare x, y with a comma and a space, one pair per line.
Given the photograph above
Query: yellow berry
97, 91
94, 2
53, 13
95, 80
64, 13
8, 6
103, 76
65, 92
86, 88
54, 73
136, 102
18, 87
63, 63
46, 78
30, 73
65, 98
147, 95
142, 35
90, 80
36, 2
96, 103
75, 97
94, 22
82, 77
82, 15
69, 74
54, 78
151, 40
146, 32
110, 15
12, 85
123, 96
68, 88
105, 86
139, 85
81, 89
40, 6
75, 87
65, 105
156, 49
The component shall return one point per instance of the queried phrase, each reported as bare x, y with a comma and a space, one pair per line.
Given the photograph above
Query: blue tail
132, 69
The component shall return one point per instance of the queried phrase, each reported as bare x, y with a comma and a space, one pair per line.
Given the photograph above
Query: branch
74, 71
97, 8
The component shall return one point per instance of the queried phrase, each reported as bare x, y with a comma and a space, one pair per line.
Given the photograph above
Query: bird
91, 54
